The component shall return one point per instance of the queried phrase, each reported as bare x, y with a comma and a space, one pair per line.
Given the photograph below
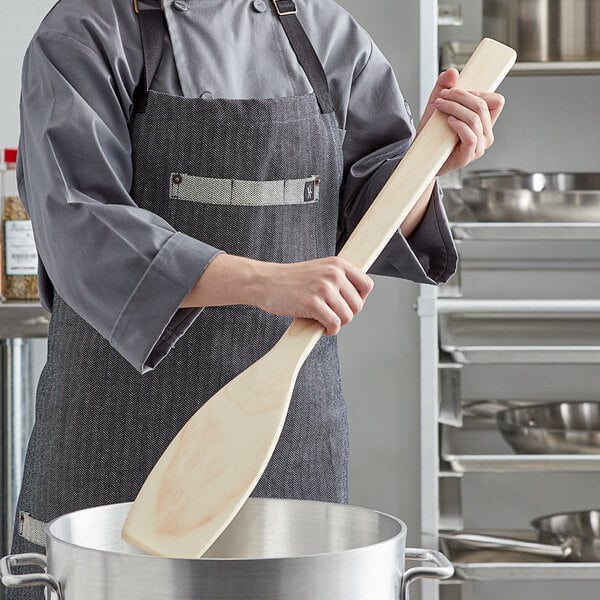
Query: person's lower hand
328, 290
470, 114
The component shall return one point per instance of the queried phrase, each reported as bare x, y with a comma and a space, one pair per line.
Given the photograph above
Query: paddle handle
484, 71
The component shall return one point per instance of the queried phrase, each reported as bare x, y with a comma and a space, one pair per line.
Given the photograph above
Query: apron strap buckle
285, 7
136, 6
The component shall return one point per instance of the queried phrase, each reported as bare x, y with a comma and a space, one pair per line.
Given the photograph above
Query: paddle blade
211, 467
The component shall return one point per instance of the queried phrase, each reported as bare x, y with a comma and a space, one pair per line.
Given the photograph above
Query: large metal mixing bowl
514, 196
272, 550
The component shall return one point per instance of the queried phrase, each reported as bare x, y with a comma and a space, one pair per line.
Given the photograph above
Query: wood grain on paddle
214, 463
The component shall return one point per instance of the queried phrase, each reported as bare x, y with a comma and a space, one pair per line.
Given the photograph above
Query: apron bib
256, 178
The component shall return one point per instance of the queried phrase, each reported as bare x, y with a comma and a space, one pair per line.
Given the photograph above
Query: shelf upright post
428, 71
430, 503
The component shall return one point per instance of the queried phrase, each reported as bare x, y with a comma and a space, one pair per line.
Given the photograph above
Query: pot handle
441, 568
10, 580
484, 409
474, 540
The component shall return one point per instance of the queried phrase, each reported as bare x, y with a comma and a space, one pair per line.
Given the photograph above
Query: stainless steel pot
545, 30
573, 536
516, 196
273, 550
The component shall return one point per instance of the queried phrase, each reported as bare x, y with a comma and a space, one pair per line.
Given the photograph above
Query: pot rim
50, 535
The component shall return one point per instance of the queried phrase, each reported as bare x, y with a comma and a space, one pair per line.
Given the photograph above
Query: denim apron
256, 178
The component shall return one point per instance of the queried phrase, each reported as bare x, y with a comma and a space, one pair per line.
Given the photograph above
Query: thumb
446, 80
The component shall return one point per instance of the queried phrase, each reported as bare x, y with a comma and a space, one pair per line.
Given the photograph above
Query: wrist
228, 280
259, 281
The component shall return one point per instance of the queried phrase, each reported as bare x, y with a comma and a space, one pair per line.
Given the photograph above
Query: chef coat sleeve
379, 131
121, 268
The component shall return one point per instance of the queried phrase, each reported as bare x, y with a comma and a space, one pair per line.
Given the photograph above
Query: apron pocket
237, 192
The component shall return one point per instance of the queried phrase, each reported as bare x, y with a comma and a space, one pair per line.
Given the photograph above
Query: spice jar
19, 269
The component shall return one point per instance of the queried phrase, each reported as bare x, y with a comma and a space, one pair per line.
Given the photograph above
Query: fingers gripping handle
484, 71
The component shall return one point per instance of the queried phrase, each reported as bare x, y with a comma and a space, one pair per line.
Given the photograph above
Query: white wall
379, 350
18, 21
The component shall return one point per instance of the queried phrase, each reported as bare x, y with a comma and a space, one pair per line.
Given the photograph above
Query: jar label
20, 252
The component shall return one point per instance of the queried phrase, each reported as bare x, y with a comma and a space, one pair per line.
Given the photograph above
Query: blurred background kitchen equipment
545, 30
572, 536
517, 196
554, 428
557, 428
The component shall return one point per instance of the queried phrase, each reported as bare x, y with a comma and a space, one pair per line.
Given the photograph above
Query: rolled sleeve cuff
151, 320
428, 255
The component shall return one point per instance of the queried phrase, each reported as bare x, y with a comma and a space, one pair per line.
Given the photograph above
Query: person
190, 170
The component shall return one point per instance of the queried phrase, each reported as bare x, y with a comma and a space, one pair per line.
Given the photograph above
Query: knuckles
346, 318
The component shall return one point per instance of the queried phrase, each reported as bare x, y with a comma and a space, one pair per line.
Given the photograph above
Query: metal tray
522, 463
484, 332
497, 565
460, 456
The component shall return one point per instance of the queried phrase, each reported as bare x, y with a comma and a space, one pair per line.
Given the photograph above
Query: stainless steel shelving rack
567, 249
450, 319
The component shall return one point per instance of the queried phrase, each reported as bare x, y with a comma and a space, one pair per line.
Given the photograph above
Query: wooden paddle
211, 467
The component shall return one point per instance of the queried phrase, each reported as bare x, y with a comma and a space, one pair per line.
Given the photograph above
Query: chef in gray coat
190, 168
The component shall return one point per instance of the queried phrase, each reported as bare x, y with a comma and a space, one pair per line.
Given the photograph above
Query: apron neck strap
305, 52
152, 28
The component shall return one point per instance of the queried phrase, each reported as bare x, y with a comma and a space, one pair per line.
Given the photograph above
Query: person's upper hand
470, 114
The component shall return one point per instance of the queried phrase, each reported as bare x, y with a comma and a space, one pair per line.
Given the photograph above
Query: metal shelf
522, 463
556, 355
23, 320
501, 565
526, 571
588, 67
500, 308
456, 53
527, 232
459, 458
520, 331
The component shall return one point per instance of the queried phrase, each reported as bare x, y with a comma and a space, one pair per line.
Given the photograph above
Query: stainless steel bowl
558, 428
514, 196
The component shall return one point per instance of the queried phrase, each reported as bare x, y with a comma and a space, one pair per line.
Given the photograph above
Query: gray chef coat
98, 250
